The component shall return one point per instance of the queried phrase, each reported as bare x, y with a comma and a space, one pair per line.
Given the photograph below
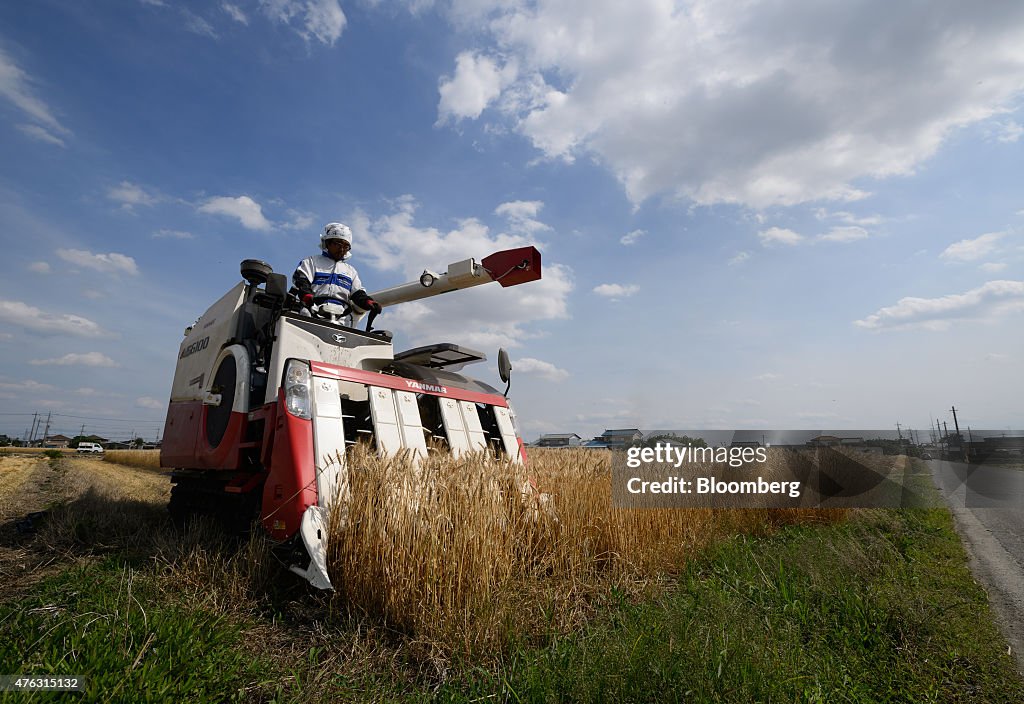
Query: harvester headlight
297, 390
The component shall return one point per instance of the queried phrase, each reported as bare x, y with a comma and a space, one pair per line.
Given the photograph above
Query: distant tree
674, 439
138, 442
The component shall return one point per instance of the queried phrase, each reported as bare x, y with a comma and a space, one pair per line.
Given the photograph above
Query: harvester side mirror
504, 365
255, 271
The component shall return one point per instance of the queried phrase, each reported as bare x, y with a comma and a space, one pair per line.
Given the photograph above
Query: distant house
93, 438
56, 441
834, 441
560, 440
620, 438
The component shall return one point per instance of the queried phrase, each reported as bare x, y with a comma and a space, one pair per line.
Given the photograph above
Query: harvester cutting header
270, 391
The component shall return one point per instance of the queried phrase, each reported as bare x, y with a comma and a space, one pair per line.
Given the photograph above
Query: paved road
988, 505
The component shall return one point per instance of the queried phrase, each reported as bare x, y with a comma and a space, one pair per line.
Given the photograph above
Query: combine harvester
267, 396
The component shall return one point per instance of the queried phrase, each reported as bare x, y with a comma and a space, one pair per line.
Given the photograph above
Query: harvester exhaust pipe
509, 267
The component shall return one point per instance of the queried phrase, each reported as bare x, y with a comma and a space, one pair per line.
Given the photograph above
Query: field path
987, 504
31, 483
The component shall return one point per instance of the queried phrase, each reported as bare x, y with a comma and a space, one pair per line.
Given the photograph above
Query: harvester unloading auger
267, 397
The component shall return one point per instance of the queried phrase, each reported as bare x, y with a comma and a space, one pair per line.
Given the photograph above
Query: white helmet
336, 231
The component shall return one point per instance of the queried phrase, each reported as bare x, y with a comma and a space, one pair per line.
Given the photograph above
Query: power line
124, 420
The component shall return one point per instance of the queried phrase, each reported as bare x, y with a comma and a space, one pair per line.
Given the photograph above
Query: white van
89, 447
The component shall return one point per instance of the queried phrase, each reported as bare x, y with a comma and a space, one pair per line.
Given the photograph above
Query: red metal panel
184, 419
511, 267
400, 383
291, 482
185, 444
225, 455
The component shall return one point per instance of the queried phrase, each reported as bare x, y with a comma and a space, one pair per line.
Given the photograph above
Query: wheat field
454, 553
466, 556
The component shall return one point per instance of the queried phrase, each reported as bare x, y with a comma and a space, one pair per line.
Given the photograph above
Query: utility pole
32, 435
46, 433
82, 431
955, 423
899, 432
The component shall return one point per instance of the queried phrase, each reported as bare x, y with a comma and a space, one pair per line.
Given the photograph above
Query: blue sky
778, 215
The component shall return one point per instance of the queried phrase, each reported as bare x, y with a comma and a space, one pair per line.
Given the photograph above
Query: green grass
881, 608
105, 623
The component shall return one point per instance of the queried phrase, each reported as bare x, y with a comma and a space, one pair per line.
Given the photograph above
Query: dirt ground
34, 483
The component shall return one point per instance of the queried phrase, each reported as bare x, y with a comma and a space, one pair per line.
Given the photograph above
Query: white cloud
321, 20
150, 403
1010, 132
993, 267
739, 258
172, 234
537, 367
972, 250
297, 221
26, 385
15, 85
235, 13
112, 263
129, 195
779, 235
754, 103
41, 134
848, 218
997, 357
477, 83
197, 25
485, 316
521, 215
39, 267
245, 209
35, 320
988, 301
631, 237
768, 376
616, 291
849, 233
87, 359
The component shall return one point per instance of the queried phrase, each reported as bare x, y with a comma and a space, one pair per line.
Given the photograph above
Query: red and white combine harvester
267, 397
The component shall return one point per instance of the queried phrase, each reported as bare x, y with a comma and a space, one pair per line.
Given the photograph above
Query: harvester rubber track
202, 497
